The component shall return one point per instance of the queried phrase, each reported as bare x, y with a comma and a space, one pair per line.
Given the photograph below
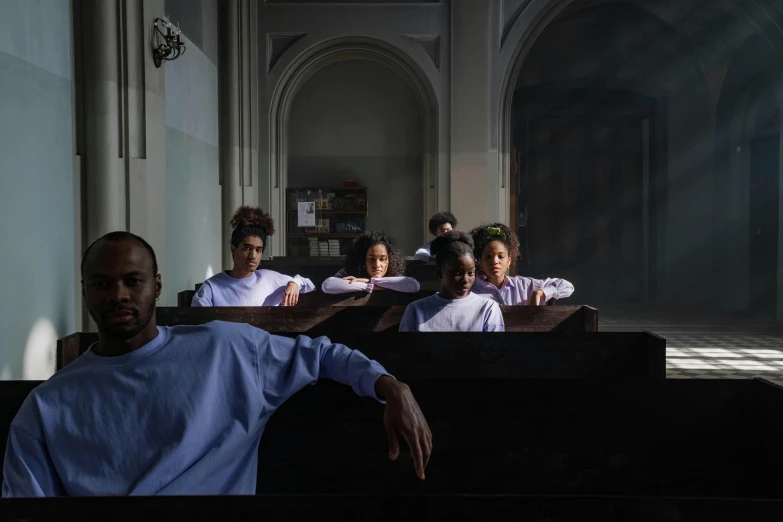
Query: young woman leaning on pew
244, 285
454, 308
496, 247
374, 262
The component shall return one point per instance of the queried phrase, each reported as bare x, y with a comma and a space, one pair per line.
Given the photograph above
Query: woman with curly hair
374, 262
439, 224
496, 248
243, 285
454, 308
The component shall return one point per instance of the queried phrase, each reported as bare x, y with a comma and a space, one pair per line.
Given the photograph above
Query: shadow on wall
39, 352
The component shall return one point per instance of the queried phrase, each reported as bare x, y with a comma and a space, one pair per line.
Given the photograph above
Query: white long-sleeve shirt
337, 285
473, 313
263, 288
423, 253
516, 290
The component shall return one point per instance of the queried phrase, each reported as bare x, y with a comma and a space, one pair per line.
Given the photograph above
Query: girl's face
495, 260
376, 260
457, 276
248, 254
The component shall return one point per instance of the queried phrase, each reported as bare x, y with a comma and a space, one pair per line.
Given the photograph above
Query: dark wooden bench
669, 437
562, 450
318, 298
351, 314
319, 269
472, 355
337, 322
393, 508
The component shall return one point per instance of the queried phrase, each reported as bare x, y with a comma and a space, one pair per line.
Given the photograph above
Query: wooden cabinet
340, 214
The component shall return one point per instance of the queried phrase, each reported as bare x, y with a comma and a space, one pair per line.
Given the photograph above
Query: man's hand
291, 295
537, 298
402, 416
353, 279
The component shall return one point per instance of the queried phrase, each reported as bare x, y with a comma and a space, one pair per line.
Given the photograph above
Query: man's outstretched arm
287, 365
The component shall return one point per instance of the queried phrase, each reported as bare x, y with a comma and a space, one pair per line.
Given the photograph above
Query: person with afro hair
440, 223
496, 248
244, 284
374, 262
455, 308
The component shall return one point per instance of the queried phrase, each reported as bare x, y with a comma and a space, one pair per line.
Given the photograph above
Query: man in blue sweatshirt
180, 410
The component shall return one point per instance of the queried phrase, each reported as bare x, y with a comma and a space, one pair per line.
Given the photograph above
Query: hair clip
495, 232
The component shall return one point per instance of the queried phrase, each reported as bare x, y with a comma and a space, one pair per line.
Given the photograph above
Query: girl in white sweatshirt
374, 262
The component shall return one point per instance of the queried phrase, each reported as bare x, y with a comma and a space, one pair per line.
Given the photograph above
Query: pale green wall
192, 189
37, 222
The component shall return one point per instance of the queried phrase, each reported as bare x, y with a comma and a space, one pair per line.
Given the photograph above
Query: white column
123, 140
105, 183
238, 121
473, 178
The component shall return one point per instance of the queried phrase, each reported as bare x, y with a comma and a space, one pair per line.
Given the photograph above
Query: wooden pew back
392, 508
456, 355
384, 315
559, 437
353, 315
631, 438
319, 269
318, 298
331, 321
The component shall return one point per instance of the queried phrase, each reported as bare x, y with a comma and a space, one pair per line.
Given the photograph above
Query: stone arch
330, 52
522, 32
750, 86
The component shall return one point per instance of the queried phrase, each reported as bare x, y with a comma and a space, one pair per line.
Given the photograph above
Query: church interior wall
192, 170
38, 219
582, 46
289, 36
463, 50
358, 120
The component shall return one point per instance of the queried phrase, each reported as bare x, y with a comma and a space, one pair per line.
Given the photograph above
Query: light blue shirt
516, 290
472, 313
423, 253
182, 415
263, 288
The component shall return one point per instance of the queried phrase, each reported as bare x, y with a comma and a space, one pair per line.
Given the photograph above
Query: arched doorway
585, 186
747, 181
610, 132
358, 120
764, 208
332, 52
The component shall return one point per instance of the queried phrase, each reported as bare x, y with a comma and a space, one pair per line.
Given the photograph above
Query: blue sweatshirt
182, 415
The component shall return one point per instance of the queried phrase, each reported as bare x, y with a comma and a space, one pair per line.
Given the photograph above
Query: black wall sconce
166, 46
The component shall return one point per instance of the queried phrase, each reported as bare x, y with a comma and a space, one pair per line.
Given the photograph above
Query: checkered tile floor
706, 345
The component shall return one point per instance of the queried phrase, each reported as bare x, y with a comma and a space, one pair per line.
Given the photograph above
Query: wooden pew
384, 314
452, 355
319, 269
318, 298
393, 508
340, 321
533, 449
670, 437
327, 319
